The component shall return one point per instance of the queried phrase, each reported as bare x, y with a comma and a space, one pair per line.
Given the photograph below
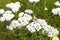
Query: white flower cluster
7, 16
57, 3
51, 31
56, 11
42, 24
33, 27
14, 6
23, 20
14, 24
34, 1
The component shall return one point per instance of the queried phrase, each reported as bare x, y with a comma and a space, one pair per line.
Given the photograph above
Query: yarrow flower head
7, 16
34, 1
56, 11
14, 24
24, 19
50, 31
42, 22
24, 16
14, 6
33, 27
28, 11
57, 3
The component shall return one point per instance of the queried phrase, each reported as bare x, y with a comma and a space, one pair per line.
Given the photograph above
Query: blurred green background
39, 12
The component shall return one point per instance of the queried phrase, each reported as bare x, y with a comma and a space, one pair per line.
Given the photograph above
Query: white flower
2, 11
9, 27
23, 21
57, 3
14, 23
51, 31
42, 22
34, 1
8, 17
21, 14
14, 6
46, 8
2, 19
47, 28
37, 26
55, 38
25, 17
56, 11
28, 17
22, 24
33, 27
28, 11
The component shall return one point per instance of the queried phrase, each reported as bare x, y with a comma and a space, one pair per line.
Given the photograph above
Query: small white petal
29, 11
21, 14
2, 19
34, 1
14, 23
9, 27
46, 8
2, 11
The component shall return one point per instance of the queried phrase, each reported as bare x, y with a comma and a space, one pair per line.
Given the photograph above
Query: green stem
34, 4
